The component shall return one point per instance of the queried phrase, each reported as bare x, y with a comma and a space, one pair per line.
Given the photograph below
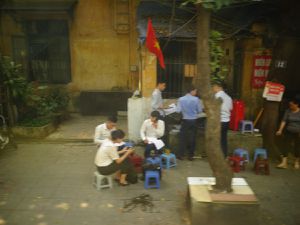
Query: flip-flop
123, 184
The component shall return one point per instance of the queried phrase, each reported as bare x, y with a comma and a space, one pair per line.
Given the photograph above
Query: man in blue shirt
189, 106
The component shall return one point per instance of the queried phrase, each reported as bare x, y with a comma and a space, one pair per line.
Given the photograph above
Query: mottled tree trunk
219, 166
269, 126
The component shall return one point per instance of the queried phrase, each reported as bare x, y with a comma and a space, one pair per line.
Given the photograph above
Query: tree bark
269, 127
221, 170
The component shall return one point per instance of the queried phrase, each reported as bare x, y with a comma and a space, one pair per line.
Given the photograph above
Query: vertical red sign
261, 66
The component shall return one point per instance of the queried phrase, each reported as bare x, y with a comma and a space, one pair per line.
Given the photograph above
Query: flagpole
141, 69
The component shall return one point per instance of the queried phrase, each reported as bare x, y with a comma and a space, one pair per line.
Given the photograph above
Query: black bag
132, 177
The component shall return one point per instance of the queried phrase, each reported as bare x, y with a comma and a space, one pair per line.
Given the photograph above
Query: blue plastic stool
260, 151
168, 160
242, 153
154, 160
246, 126
152, 179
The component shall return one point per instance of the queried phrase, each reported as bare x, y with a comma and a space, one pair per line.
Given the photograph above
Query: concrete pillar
138, 110
149, 72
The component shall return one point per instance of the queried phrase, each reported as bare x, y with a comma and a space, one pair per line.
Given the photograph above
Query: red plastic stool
235, 163
137, 162
261, 166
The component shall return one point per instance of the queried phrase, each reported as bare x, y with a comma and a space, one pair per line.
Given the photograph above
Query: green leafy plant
218, 70
13, 77
46, 102
36, 104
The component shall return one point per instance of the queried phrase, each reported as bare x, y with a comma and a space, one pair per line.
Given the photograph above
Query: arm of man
178, 107
143, 131
123, 157
160, 130
199, 106
98, 136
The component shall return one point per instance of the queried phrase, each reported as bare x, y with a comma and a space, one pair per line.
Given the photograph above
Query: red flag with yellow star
153, 45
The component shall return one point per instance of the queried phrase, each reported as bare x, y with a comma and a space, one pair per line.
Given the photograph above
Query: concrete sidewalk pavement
50, 183
81, 128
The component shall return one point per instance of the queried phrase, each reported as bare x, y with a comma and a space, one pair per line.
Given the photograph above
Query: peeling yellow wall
149, 73
100, 57
9, 28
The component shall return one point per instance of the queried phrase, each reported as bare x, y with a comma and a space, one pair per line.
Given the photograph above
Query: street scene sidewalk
52, 183
81, 128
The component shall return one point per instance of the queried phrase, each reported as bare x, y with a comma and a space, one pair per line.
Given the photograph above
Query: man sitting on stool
152, 128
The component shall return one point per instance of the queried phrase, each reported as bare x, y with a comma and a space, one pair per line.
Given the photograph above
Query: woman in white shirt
109, 161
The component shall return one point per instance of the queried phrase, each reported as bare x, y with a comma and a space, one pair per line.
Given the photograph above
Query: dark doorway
49, 54
178, 55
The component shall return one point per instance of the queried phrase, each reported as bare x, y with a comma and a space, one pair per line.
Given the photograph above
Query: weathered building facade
89, 47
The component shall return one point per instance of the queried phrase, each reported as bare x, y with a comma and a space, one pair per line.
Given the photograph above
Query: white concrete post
139, 109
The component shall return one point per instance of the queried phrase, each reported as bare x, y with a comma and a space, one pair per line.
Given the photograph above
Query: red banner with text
261, 66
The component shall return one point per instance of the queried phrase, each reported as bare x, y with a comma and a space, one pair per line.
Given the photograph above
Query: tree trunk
220, 168
269, 127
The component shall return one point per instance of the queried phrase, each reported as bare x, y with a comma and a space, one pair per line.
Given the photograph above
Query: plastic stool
154, 160
246, 126
262, 166
152, 179
260, 151
243, 154
235, 163
168, 160
102, 181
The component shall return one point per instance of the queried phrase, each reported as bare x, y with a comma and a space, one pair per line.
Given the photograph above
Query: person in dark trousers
226, 108
189, 106
290, 128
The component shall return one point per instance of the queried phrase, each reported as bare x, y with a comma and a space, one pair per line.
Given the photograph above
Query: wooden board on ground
200, 191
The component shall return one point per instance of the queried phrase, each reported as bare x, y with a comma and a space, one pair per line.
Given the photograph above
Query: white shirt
157, 101
149, 131
106, 154
226, 106
102, 133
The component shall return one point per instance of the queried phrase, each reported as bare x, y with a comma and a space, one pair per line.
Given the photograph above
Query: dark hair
117, 134
155, 114
218, 83
296, 100
190, 88
113, 119
161, 82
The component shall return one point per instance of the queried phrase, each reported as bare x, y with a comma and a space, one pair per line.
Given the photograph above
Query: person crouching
109, 161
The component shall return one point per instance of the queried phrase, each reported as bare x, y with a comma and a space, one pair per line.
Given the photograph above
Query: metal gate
177, 55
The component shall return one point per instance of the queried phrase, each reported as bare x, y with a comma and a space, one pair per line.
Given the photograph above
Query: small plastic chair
244, 154
168, 160
102, 181
235, 163
151, 179
246, 126
154, 160
260, 151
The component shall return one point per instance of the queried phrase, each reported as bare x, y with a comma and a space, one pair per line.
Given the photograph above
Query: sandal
123, 184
